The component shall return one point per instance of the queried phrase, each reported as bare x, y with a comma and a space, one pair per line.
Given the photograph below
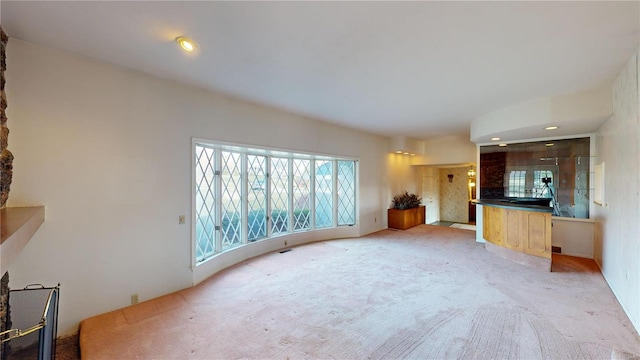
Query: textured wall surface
6, 157
6, 166
454, 196
617, 243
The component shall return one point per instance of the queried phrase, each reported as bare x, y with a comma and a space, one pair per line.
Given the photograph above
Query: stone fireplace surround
6, 168
17, 224
5, 318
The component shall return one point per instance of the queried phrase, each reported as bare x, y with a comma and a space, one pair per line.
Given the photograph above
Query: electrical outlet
181, 219
134, 299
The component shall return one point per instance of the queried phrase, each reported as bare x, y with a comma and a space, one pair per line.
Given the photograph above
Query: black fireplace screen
34, 317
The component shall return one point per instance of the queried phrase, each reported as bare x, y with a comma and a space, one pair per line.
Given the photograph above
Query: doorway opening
447, 192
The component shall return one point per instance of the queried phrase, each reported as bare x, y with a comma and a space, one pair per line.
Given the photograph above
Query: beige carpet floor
429, 292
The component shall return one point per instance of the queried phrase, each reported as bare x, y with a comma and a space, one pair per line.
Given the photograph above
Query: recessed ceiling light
495, 138
549, 144
502, 145
399, 152
406, 153
551, 128
413, 154
186, 43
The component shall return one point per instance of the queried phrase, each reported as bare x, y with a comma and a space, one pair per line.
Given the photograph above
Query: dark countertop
515, 204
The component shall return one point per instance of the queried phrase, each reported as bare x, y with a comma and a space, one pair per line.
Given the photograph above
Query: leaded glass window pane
517, 183
279, 177
542, 183
205, 202
301, 194
256, 197
231, 200
324, 193
346, 192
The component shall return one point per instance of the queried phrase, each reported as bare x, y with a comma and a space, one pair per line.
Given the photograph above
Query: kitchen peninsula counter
518, 229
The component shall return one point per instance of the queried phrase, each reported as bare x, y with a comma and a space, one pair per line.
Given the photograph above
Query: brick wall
492, 168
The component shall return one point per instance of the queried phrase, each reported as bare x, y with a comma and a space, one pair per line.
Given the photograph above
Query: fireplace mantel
17, 226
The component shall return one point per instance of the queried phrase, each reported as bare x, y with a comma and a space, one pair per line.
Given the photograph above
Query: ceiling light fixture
495, 138
551, 128
186, 43
503, 145
549, 144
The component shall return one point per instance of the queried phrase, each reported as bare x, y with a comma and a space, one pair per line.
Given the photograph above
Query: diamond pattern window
231, 199
324, 193
279, 196
346, 188
242, 195
256, 197
301, 194
205, 200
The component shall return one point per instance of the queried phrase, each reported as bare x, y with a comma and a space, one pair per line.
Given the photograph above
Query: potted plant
406, 211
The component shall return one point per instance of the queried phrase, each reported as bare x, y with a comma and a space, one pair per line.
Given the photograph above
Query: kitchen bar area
518, 229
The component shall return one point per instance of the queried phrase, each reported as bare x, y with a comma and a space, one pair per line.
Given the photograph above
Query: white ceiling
417, 69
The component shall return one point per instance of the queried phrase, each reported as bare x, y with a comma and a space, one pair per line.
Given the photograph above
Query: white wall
574, 236
108, 152
402, 176
447, 150
429, 178
577, 113
617, 231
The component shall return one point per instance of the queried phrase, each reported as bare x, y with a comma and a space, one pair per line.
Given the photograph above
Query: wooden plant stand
405, 219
